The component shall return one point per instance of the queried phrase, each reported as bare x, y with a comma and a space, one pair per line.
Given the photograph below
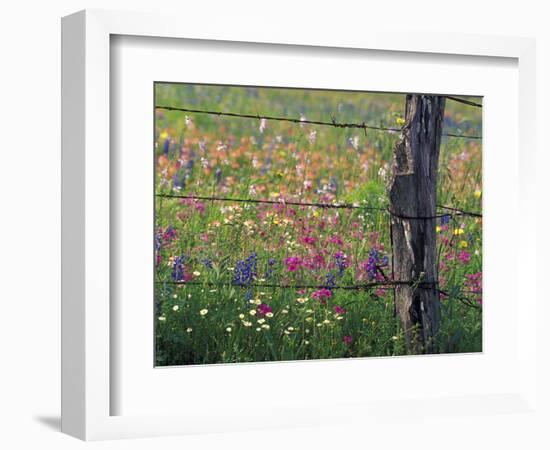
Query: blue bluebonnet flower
246, 270
330, 280
207, 263
191, 162
340, 263
178, 181
218, 175
270, 263
178, 273
333, 184
166, 147
445, 219
371, 263
375, 261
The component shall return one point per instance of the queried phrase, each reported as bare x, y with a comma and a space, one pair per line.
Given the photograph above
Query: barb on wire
333, 123
454, 211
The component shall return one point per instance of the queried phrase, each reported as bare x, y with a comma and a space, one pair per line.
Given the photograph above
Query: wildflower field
272, 238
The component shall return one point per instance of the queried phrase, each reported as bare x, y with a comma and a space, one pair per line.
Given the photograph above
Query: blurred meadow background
276, 278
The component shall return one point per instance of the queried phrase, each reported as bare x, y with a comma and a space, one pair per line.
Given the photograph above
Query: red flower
322, 295
263, 309
339, 310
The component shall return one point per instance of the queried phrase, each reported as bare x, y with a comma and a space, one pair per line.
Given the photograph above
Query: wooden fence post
412, 194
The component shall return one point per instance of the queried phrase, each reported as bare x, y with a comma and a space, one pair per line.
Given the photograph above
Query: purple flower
347, 340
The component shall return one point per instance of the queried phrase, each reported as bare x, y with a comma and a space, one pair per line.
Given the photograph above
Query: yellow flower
458, 231
302, 299
400, 121
463, 244
241, 316
477, 193
257, 301
252, 312
196, 273
437, 229
203, 312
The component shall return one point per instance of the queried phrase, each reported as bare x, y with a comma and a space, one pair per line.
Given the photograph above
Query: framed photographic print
274, 234
265, 230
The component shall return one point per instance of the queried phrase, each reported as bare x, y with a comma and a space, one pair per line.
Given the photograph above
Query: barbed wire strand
363, 126
461, 100
386, 285
455, 211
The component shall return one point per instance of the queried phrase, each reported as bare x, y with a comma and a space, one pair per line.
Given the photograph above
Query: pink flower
474, 283
309, 240
263, 309
336, 240
339, 310
347, 340
464, 257
293, 263
322, 295
199, 207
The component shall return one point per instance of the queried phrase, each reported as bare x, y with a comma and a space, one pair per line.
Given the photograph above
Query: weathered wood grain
412, 194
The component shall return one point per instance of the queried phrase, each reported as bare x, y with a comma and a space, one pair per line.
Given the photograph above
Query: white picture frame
88, 386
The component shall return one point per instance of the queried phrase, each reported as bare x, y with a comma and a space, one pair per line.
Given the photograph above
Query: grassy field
252, 281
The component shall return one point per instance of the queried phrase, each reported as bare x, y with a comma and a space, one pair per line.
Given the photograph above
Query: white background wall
30, 195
